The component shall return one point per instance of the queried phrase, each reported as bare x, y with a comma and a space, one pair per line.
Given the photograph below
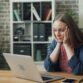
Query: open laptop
24, 67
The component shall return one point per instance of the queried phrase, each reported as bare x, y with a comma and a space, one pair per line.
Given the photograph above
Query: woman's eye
54, 30
61, 30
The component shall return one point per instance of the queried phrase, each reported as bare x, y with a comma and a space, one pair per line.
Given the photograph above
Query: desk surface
8, 77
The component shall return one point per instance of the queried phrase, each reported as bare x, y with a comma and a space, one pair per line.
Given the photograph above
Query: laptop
24, 67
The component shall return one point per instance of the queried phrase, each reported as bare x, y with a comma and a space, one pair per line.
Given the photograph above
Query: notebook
24, 67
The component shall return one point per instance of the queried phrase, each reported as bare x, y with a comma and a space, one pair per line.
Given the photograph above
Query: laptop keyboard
49, 77
46, 78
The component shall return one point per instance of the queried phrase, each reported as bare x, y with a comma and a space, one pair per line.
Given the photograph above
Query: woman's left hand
66, 36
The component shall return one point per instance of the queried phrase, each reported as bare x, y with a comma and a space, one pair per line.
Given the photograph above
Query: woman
65, 53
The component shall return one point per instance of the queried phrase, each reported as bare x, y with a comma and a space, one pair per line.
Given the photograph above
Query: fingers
66, 35
67, 32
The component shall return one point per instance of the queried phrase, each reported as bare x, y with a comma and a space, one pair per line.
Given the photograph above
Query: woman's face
58, 30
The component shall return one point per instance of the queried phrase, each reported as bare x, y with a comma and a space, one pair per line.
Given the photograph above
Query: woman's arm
51, 61
67, 45
75, 57
76, 61
54, 55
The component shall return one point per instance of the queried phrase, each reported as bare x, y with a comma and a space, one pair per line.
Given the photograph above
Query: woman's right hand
54, 55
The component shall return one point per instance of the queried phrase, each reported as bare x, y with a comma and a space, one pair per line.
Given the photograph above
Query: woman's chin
60, 40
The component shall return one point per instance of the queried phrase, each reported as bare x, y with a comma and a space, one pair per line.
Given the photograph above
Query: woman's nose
58, 32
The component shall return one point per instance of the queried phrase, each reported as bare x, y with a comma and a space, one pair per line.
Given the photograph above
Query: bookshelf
31, 23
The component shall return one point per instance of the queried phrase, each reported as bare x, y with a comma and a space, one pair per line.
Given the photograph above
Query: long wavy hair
75, 34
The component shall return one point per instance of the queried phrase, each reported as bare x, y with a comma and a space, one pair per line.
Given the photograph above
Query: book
26, 11
49, 15
46, 14
38, 55
16, 16
35, 13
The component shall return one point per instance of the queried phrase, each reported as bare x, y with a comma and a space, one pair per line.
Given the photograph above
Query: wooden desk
8, 77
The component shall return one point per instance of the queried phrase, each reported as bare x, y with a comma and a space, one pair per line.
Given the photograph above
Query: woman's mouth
59, 38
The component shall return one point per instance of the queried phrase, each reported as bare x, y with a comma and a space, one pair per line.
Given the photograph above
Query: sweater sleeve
49, 66
76, 62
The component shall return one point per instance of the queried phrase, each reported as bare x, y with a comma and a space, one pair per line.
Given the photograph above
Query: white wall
81, 13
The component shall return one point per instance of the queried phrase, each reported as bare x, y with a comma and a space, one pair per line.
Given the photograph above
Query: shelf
17, 22
40, 42
31, 24
42, 21
20, 42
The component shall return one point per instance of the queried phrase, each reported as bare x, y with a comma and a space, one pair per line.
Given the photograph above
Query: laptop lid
24, 67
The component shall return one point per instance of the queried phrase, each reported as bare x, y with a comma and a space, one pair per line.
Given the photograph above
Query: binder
41, 32
35, 32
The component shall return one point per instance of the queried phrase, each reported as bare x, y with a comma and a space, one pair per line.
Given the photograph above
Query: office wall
81, 14
4, 26
68, 6
61, 7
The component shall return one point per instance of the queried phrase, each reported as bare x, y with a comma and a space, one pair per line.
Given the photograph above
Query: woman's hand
66, 36
66, 43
